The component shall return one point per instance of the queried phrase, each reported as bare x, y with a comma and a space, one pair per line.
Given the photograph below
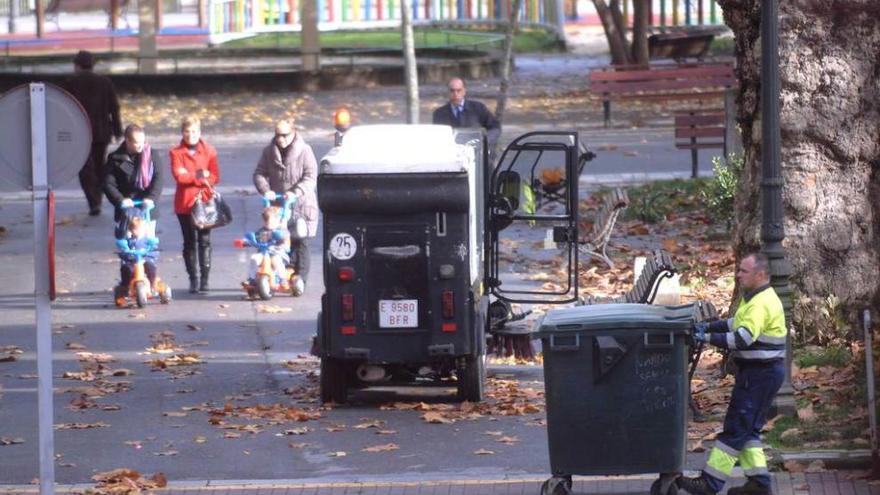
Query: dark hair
131, 129
84, 59
762, 262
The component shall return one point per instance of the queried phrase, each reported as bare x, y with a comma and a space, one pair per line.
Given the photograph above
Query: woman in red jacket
194, 167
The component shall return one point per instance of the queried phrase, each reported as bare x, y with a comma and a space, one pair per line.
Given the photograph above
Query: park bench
700, 129
679, 46
693, 82
657, 268
596, 240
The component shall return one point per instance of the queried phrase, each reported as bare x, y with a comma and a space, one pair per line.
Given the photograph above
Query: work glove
127, 203
699, 332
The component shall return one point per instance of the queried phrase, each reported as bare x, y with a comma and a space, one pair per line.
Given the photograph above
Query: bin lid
398, 149
615, 316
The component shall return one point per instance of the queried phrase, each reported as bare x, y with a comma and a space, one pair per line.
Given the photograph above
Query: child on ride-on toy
267, 270
139, 253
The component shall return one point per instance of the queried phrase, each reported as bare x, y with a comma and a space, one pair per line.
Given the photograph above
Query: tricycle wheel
264, 288
333, 387
657, 487
140, 292
557, 486
472, 379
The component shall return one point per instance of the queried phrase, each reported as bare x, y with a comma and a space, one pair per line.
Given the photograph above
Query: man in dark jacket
97, 96
460, 112
134, 171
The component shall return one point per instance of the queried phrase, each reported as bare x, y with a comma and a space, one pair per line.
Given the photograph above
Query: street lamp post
772, 226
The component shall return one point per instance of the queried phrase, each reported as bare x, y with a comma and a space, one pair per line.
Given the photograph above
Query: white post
42, 309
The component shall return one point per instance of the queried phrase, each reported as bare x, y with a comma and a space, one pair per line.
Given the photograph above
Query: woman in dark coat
134, 171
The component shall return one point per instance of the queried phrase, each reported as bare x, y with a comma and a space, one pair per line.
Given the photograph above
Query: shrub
720, 192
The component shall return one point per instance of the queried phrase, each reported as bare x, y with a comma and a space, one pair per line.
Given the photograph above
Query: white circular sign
343, 246
68, 137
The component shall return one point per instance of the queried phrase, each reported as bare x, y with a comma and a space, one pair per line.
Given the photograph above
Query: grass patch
524, 41
836, 356
722, 46
652, 202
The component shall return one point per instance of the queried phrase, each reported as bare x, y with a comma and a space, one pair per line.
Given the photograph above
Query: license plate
398, 313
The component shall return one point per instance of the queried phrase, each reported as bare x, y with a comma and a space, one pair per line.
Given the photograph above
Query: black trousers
126, 271
91, 175
193, 236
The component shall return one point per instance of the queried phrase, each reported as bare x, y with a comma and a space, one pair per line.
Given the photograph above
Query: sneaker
299, 287
752, 487
695, 486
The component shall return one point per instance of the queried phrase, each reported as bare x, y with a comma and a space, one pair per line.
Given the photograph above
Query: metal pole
13, 13
772, 226
42, 309
872, 394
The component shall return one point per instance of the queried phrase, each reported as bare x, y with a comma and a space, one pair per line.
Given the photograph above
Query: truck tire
472, 379
333, 386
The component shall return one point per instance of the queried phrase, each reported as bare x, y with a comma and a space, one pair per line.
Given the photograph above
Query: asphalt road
243, 346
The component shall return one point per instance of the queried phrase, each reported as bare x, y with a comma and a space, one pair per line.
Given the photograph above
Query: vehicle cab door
532, 218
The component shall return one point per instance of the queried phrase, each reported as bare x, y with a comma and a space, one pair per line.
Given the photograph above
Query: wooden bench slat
698, 132
698, 146
713, 119
692, 96
661, 85
611, 74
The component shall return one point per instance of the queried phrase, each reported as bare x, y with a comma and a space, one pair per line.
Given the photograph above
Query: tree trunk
640, 31
830, 150
616, 38
410, 72
507, 63
311, 38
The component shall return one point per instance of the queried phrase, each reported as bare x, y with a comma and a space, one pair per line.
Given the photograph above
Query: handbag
210, 214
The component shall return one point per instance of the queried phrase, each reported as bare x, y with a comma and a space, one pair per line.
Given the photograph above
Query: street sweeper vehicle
423, 242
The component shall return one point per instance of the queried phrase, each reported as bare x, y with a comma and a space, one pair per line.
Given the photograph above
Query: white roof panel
396, 148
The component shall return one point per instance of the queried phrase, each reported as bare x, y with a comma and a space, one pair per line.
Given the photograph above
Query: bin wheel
657, 487
264, 288
557, 486
472, 379
140, 293
333, 386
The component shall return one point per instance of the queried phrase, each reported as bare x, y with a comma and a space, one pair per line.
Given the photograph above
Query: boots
752, 487
189, 260
695, 486
204, 266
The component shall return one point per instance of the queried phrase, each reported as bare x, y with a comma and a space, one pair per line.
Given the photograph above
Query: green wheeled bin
616, 386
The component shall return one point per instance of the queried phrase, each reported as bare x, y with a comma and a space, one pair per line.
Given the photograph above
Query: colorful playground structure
229, 18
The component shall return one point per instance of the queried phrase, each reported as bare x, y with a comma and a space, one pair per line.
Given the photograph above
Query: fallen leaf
484, 452
231, 434
386, 432
793, 466
75, 346
194, 328
375, 423
816, 466
200, 439
80, 426
508, 440
174, 414
166, 453
11, 441
160, 480
436, 418
337, 454
272, 309
806, 414
297, 445
381, 448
